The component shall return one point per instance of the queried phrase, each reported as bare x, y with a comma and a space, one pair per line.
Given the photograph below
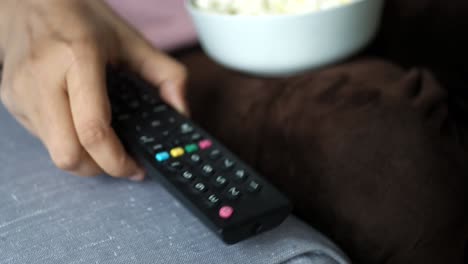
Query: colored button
162, 156
205, 144
177, 152
191, 148
226, 212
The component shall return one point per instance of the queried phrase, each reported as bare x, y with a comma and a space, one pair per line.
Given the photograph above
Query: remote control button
134, 105
254, 187
147, 140
172, 120
212, 200
156, 148
186, 128
207, 170
175, 166
195, 159
177, 152
240, 175
215, 154
227, 164
233, 193
195, 137
187, 176
205, 144
176, 142
160, 109
191, 148
226, 212
162, 156
149, 99
165, 133
155, 124
200, 187
220, 181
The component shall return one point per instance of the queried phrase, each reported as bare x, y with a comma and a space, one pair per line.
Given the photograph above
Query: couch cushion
47, 216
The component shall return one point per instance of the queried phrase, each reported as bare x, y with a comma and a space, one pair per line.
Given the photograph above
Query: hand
55, 55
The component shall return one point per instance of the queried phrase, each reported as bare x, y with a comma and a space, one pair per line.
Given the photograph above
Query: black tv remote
220, 189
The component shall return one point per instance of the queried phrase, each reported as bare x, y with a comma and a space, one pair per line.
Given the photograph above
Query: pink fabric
164, 22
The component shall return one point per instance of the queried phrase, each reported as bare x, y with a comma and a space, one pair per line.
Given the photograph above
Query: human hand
55, 54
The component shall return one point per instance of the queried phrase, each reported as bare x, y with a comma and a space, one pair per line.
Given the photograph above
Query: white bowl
281, 45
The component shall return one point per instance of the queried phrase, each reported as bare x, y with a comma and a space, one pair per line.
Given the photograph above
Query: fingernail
182, 110
138, 177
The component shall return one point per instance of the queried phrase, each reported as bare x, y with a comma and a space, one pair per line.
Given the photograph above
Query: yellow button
177, 152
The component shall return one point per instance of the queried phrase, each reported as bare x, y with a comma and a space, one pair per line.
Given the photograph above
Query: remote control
222, 191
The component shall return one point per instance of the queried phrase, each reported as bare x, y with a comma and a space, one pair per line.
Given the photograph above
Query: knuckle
66, 160
120, 169
93, 132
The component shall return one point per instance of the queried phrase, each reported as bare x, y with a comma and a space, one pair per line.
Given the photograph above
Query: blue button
162, 156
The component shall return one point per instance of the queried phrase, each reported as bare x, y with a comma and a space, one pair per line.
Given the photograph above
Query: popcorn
264, 7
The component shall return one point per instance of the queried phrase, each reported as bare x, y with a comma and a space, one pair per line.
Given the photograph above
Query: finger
91, 114
161, 70
58, 134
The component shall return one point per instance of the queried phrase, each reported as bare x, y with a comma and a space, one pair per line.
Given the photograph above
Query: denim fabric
47, 216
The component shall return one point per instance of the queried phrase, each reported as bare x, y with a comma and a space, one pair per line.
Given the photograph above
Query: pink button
226, 212
205, 144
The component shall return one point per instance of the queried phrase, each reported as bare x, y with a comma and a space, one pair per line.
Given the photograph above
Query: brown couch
371, 151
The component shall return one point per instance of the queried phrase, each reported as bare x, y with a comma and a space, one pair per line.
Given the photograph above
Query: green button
191, 148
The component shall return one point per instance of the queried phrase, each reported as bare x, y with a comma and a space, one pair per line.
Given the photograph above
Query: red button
226, 212
205, 144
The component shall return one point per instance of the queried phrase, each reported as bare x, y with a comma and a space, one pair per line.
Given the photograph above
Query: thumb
160, 70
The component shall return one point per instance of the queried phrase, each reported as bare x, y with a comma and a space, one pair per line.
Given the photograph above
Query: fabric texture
165, 23
47, 216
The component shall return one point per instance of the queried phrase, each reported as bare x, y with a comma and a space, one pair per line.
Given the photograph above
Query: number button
212, 200
207, 170
187, 176
253, 187
227, 164
240, 175
220, 181
195, 159
200, 187
233, 193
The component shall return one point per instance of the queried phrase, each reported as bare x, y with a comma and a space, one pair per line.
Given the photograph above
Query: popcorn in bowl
265, 7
